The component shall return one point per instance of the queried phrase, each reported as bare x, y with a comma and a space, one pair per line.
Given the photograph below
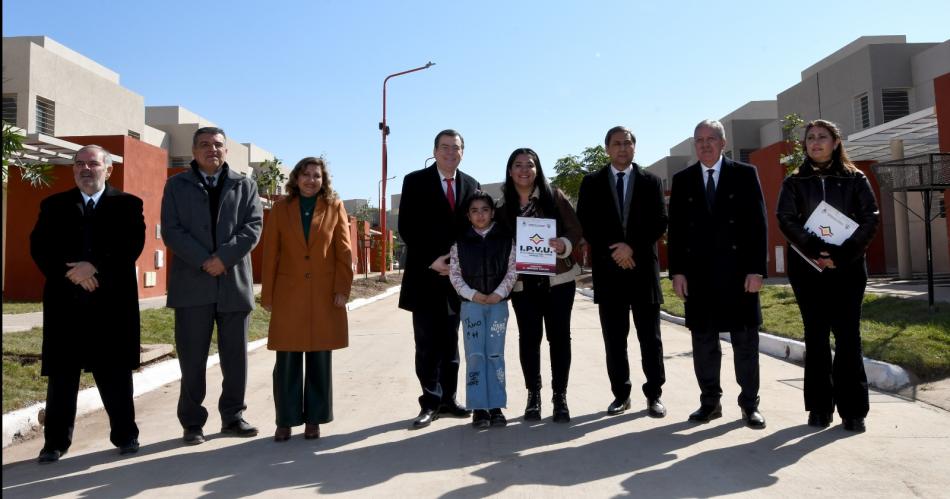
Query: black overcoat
82, 329
646, 223
429, 227
716, 249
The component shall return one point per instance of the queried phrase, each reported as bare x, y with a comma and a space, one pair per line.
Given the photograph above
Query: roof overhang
918, 131
45, 149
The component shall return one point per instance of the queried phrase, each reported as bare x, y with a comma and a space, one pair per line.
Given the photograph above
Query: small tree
570, 170
791, 124
269, 177
36, 174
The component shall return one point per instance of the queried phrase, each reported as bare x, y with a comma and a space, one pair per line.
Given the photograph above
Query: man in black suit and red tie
718, 250
85, 243
623, 214
430, 218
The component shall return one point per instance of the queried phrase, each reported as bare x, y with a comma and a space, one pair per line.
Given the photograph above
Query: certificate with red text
533, 254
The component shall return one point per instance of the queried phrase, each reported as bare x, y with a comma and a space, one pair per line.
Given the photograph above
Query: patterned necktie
210, 180
450, 193
710, 188
620, 191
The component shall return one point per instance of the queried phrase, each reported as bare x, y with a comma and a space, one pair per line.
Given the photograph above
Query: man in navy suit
622, 212
718, 250
430, 219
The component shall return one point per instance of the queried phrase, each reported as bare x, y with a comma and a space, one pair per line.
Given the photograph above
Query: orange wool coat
300, 277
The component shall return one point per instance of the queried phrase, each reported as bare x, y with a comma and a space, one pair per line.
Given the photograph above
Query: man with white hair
718, 256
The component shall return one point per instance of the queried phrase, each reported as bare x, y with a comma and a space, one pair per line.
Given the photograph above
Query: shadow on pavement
329, 465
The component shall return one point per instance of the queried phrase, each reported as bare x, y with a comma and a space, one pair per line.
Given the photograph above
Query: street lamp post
382, 194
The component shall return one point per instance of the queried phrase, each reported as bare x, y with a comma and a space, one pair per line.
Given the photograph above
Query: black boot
532, 411
561, 412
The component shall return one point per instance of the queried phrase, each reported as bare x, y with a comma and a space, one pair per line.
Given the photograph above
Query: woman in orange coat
307, 275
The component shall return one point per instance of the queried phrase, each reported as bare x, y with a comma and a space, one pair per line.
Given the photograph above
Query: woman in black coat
542, 302
830, 299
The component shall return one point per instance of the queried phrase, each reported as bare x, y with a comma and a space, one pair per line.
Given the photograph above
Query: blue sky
305, 78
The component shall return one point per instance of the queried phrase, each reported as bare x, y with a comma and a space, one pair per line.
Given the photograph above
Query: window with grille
895, 103
135, 135
179, 162
862, 112
45, 116
9, 109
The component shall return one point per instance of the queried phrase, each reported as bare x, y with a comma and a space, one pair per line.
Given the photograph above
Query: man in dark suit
718, 252
85, 242
430, 218
623, 214
211, 220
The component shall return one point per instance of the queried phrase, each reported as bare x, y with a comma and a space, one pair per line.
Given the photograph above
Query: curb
17, 424
881, 375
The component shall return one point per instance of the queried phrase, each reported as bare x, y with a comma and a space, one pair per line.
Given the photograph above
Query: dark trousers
303, 397
115, 388
538, 309
437, 356
193, 327
832, 305
707, 358
615, 324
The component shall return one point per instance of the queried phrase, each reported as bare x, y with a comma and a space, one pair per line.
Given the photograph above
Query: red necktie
450, 193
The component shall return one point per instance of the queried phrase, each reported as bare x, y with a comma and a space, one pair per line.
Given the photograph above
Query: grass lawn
895, 330
23, 385
21, 307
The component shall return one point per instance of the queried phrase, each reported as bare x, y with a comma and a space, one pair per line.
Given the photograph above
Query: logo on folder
536, 239
825, 231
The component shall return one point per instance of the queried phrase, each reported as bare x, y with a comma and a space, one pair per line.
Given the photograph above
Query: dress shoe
481, 419
854, 424
655, 408
706, 413
452, 408
282, 434
561, 413
193, 436
753, 419
130, 448
497, 418
311, 431
618, 407
49, 455
819, 419
425, 418
532, 410
239, 428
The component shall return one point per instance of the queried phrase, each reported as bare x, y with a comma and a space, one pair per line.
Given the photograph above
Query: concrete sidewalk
369, 450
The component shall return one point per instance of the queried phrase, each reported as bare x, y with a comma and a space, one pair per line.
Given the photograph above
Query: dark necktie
210, 180
620, 191
450, 193
89, 209
710, 188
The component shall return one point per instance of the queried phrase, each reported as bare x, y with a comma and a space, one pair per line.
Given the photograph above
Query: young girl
482, 270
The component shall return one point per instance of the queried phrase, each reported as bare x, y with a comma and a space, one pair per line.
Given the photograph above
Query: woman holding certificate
830, 288
542, 301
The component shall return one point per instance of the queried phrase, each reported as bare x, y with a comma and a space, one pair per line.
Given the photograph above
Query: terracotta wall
942, 96
142, 173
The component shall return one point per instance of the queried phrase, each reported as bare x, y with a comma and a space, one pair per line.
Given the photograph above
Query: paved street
369, 451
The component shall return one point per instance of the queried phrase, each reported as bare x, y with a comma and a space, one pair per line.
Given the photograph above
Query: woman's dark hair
839, 155
479, 196
325, 190
513, 199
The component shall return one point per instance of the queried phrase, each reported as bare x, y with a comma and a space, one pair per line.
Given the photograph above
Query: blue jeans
484, 339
